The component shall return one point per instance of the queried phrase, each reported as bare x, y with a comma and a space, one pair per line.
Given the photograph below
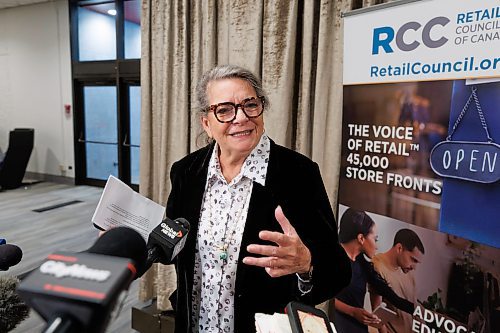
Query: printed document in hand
120, 206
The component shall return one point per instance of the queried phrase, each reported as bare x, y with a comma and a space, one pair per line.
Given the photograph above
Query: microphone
167, 240
76, 292
124, 243
12, 309
10, 255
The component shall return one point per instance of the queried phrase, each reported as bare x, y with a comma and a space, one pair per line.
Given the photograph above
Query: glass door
134, 93
100, 132
106, 50
108, 129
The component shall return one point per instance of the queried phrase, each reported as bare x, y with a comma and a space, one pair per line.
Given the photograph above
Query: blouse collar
254, 167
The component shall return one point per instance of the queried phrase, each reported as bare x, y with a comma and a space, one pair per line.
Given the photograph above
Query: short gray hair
225, 72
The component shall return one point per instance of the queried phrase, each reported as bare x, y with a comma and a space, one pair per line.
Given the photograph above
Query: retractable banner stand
421, 158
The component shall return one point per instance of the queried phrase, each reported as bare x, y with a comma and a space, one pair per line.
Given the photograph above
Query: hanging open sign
473, 161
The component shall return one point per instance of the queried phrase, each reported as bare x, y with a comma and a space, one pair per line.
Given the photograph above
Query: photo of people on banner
407, 278
389, 166
419, 187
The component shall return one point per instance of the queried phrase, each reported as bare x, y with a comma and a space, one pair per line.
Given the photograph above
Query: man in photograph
396, 266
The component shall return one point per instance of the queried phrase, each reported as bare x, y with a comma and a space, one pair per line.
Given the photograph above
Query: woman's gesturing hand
288, 256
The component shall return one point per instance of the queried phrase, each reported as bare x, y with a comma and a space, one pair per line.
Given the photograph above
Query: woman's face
241, 136
369, 245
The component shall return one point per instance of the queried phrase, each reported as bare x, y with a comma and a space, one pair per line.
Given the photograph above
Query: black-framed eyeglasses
226, 112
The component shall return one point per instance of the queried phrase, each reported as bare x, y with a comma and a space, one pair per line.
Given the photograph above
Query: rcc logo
384, 36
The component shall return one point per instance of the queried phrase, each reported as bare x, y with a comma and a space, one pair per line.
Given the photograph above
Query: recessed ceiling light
112, 12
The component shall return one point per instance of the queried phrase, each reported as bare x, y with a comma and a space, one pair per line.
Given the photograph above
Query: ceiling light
112, 12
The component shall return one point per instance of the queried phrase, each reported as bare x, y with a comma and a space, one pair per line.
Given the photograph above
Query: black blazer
294, 182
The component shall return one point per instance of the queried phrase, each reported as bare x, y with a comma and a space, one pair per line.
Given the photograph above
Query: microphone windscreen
125, 243
10, 255
12, 309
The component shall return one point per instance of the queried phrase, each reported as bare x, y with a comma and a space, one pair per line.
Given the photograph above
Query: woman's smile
243, 133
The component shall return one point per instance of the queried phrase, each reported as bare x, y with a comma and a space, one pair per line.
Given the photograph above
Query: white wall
35, 82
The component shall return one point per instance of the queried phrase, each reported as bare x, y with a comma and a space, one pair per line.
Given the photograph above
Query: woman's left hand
288, 257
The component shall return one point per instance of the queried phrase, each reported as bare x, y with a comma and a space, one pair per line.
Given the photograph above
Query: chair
16, 158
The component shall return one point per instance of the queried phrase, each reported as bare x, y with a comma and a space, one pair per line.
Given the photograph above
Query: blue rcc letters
383, 36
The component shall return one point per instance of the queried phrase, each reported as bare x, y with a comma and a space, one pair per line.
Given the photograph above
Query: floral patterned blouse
222, 221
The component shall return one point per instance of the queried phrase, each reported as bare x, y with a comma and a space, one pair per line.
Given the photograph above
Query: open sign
472, 161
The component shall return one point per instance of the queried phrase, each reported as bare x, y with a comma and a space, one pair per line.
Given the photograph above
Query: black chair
16, 159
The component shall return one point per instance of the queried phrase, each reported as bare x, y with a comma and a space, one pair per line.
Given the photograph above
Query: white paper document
120, 206
275, 323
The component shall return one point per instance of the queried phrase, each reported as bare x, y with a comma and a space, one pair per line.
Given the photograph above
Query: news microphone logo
77, 274
167, 240
61, 270
169, 231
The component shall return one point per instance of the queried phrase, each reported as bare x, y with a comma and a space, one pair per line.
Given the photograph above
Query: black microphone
10, 255
12, 309
167, 240
76, 292
124, 243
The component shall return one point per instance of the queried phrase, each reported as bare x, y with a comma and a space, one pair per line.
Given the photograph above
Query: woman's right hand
365, 317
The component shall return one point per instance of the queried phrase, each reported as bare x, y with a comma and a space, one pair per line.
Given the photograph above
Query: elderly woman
262, 229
